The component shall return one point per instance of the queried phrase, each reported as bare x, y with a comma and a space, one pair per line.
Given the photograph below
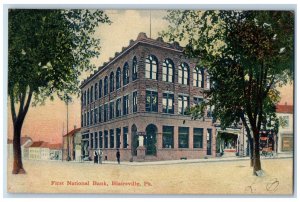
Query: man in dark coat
118, 156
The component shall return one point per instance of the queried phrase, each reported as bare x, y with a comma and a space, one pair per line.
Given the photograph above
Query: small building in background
26, 142
55, 151
35, 150
286, 128
69, 145
45, 151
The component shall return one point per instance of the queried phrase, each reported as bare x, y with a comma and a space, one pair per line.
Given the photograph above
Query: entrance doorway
150, 139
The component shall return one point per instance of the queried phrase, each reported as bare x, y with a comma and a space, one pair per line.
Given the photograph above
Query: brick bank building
137, 103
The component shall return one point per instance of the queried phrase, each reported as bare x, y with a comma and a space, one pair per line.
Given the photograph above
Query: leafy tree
247, 54
47, 51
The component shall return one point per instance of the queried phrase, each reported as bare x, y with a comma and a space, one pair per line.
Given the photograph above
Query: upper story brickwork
154, 75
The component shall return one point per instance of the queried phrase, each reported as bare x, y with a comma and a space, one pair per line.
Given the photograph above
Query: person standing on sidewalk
118, 156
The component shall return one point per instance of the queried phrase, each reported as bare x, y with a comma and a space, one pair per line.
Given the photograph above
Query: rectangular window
183, 104
125, 133
100, 139
148, 70
95, 115
168, 137
198, 100
100, 114
88, 118
105, 139
92, 140
134, 102
96, 140
91, 118
111, 110
118, 107
111, 138
118, 136
198, 137
183, 137
81, 120
168, 103
100, 88
151, 101
125, 105
105, 112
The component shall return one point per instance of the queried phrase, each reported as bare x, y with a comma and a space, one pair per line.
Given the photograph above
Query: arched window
111, 82
105, 85
96, 91
92, 94
183, 74
197, 77
151, 67
125, 74
88, 96
100, 88
168, 71
134, 69
118, 78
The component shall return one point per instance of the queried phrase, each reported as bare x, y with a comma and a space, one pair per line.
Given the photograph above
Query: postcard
150, 101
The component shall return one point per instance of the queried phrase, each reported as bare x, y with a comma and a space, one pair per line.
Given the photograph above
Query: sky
49, 121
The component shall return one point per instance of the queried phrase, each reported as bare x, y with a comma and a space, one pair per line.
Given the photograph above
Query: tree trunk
251, 153
17, 165
256, 154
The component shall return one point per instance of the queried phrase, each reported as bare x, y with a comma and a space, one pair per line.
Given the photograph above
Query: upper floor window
198, 100
92, 93
118, 107
183, 104
111, 82
151, 101
105, 85
118, 78
88, 96
183, 74
134, 101
197, 77
134, 69
95, 115
84, 98
207, 81
105, 112
125, 74
168, 71
112, 110
125, 105
100, 88
100, 114
168, 103
151, 67
96, 91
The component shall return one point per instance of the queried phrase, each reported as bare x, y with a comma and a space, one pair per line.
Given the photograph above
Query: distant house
72, 145
45, 151
286, 132
35, 150
55, 151
25, 143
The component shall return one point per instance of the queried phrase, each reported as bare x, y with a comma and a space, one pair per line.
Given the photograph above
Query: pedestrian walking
95, 157
100, 156
118, 156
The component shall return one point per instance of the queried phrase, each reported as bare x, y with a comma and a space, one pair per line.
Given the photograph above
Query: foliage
247, 55
48, 49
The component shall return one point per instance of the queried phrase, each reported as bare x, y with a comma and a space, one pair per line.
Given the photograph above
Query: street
223, 177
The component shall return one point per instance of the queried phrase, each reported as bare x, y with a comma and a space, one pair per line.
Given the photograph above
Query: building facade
138, 103
69, 144
35, 150
286, 128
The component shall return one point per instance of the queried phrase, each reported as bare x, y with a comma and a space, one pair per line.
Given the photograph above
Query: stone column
141, 150
175, 137
159, 138
191, 137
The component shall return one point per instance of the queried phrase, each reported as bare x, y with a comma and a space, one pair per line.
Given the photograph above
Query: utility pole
68, 143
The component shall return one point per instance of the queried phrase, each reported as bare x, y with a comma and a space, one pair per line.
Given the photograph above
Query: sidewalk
209, 160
